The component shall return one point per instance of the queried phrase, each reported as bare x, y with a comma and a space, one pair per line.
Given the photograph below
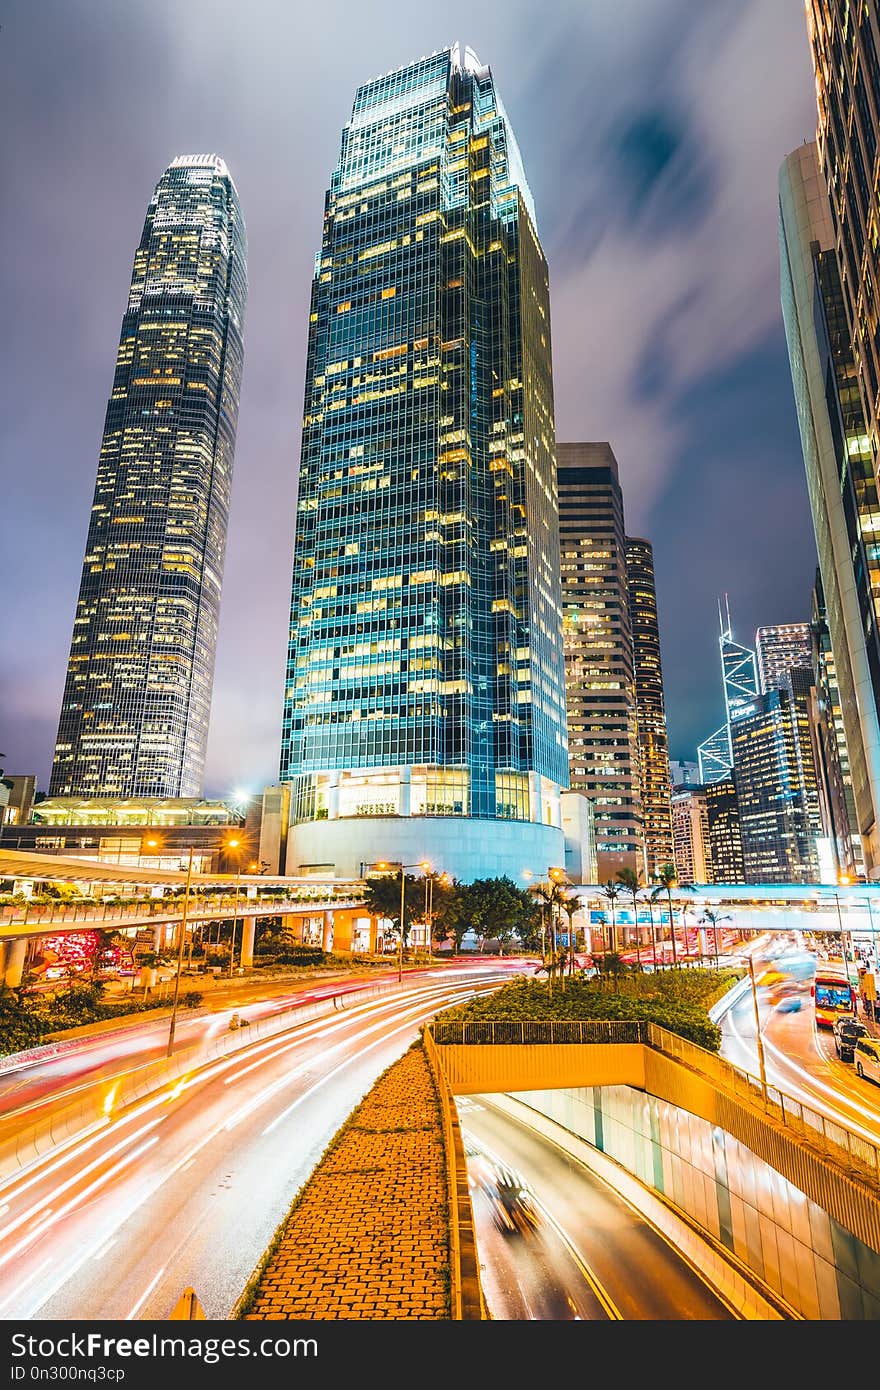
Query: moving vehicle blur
513, 1204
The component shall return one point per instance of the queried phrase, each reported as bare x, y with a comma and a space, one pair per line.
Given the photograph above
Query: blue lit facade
137, 698
425, 674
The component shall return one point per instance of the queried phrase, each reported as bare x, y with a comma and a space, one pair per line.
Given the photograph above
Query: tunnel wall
818, 1267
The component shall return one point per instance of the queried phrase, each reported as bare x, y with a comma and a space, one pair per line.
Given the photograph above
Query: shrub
674, 1006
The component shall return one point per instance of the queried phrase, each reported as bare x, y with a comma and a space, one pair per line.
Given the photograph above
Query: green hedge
671, 1001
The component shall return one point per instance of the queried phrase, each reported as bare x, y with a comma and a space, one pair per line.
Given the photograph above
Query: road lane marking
145, 1295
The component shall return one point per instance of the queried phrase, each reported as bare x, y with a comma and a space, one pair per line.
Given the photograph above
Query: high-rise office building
684, 773
837, 803
424, 714
779, 648
739, 679
653, 742
137, 699
599, 665
778, 842
725, 841
839, 469
690, 825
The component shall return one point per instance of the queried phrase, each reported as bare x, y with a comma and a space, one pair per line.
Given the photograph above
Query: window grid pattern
425, 616
599, 667
137, 697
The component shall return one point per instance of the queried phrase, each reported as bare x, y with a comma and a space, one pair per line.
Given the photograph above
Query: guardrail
852, 1149
46, 917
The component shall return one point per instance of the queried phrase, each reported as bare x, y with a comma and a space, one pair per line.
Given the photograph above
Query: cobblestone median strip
367, 1237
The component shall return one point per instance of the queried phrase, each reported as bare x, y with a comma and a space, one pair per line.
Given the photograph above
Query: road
187, 1186
591, 1256
799, 1057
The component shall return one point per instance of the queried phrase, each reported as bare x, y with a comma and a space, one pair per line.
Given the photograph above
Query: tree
667, 879
548, 896
492, 908
569, 902
713, 918
629, 882
382, 898
611, 891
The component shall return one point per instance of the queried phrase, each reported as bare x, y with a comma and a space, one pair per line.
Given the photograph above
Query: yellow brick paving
368, 1235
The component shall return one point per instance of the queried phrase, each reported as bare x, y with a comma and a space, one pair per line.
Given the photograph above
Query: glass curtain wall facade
425, 671
739, 678
839, 474
777, 840
653, 741
725, 841
599, 663
137, 697
829, 739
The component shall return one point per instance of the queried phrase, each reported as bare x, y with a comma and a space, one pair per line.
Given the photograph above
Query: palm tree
667, 879
569, 904
611, 891
549, 896
714, 918
629, 882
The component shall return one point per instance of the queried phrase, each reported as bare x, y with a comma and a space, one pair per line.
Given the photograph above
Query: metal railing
858, 1152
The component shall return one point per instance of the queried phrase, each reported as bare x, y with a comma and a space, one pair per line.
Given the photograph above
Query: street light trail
110, 1234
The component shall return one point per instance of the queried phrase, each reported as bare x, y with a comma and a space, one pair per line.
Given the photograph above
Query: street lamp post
761, 1065
425, 867
180, 941
233, 844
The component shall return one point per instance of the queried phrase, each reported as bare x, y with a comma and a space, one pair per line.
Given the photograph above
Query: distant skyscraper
739, 678
137, 699
778, 842
690, 825
778, 649
653, 743
424, 715
839, 468
725, 840
599, 664
684, 774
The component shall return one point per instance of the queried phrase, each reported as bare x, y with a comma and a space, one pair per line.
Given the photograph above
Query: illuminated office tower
778, 841
725, 840
599, 666
690, 824
839, 472
424, 713
653, 742
832, 758
739, 679
137, 699
779, 648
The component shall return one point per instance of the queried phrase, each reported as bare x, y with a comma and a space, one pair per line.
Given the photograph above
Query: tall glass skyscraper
840, 479
424, 714
137, 699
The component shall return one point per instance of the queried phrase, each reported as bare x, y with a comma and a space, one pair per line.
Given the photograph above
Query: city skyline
645, 148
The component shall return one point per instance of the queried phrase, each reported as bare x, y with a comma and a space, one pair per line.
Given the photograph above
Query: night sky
652, 132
